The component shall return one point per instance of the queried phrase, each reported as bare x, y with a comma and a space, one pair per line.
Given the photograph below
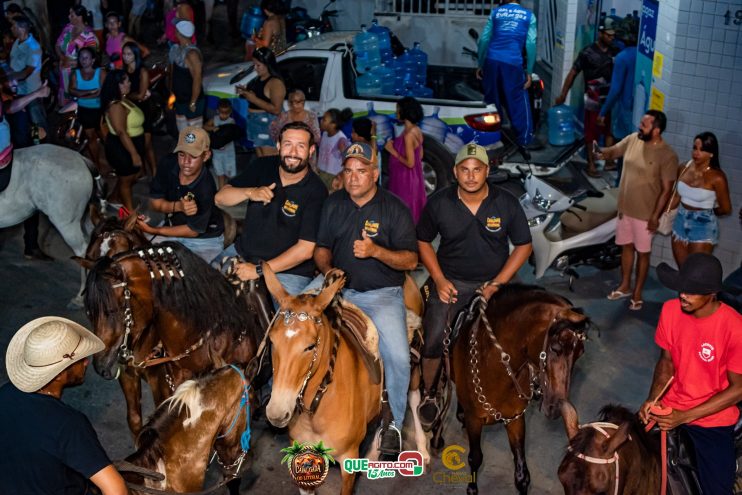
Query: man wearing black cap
476, 222
596, 64
701, 341
368, 233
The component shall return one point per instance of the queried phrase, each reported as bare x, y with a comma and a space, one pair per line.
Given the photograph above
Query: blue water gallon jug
419, 60
252, 21
368, 84
561, 125
419, 91
385, 40
386, 74
384, 125
453, 142
434, 126
366, 46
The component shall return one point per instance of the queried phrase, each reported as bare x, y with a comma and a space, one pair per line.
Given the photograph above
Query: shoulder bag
668, 216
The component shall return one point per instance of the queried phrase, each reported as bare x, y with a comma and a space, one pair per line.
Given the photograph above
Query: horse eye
310, 348
556, 347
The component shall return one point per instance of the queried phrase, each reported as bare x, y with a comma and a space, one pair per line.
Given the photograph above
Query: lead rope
661, 411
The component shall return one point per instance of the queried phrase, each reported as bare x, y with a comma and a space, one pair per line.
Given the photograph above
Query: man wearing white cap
186, 72
48, 447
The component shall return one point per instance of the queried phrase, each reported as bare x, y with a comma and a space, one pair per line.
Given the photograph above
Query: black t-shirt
47, 446
208, 222
386, 220
292, 215
473, 247
595, 63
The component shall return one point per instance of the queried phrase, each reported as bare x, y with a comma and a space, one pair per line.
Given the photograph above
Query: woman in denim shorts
702, 196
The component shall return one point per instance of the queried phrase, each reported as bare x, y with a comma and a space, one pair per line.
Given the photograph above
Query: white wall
702, 83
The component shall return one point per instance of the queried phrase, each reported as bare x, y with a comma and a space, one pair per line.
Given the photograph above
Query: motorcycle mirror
473, 33
594, 194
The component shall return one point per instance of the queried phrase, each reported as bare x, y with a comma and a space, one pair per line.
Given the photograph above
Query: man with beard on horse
49, 447
701, 342
285, 199
368, 233
475, 221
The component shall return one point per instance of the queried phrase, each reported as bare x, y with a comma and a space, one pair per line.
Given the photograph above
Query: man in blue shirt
509, 32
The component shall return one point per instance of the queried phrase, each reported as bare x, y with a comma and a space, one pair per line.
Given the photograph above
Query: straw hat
44, 347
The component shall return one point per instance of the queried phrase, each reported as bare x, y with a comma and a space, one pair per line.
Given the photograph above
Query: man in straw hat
701, 342
47, 446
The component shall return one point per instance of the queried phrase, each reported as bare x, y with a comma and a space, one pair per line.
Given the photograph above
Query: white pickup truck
322, 67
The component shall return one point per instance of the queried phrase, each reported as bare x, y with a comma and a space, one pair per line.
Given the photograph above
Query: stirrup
390, 450
426, 421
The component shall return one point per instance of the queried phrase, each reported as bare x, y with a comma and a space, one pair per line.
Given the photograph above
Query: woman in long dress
406, 158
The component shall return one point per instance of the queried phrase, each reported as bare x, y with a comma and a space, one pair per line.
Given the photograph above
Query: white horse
56, 181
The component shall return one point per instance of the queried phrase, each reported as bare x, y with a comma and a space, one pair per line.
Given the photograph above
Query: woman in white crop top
702, 195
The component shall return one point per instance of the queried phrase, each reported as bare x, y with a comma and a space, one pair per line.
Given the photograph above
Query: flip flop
636, 305
616, 294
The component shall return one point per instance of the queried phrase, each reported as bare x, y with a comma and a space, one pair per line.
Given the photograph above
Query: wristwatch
259, 269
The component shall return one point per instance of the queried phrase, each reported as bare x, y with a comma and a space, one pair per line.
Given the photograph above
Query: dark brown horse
168, 297
210, 413
611, 456
524, 341
112, 236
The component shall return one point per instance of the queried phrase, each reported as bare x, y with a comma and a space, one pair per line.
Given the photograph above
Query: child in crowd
331, 146
224, 159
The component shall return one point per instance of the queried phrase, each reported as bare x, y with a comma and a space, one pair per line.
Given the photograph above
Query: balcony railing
460, 8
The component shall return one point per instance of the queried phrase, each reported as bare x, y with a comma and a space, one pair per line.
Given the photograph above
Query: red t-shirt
702, 350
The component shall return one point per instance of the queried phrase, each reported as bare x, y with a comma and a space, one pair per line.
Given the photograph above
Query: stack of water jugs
380, 73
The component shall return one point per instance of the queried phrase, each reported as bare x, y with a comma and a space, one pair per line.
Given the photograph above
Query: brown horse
112, 236
611, 456
523, 341
178, 440
306, 348
168, 297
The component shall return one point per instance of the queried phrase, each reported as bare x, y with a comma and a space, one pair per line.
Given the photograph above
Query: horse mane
618, 415
188, 397
98, 295
514, 293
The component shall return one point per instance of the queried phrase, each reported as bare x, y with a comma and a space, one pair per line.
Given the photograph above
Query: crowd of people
316, 192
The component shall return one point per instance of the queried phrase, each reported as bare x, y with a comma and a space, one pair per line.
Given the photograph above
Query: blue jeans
386, 309
207, 249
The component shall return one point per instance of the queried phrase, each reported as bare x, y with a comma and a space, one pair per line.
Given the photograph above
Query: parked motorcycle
299, 26
571, 223
70, 132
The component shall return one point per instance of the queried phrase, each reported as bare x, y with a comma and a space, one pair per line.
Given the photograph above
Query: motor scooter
299, 26
571, 223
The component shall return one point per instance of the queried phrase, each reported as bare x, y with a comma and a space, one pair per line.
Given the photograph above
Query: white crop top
697, 197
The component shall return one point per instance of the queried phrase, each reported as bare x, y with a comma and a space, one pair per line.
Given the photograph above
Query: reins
600, 427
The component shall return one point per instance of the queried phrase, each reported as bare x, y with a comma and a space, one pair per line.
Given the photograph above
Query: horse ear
83, 262
94, 213
274, 285
131, 222
618, 438
328, 293
571, 421
571, 315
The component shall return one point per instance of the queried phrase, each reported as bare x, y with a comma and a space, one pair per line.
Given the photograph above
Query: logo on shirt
707, 352
493, 224
290, 208
371, 227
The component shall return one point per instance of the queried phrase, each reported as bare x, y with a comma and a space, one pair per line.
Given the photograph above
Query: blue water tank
366, 47
386, 74
419, 60
385, 40
384, 125
561, 125
252, 21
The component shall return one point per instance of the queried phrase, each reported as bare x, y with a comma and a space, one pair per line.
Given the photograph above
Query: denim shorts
258, 128
696, 226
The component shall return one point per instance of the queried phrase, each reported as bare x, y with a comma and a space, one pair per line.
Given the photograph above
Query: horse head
112, 236
117, 297
591, 461
300, 338
564, 345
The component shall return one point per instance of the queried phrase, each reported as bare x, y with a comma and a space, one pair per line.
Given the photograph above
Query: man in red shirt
701, 341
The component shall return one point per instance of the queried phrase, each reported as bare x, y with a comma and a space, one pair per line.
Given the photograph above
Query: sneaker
391, 443
428, 412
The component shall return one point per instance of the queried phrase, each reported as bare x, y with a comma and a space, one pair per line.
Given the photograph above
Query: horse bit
598, 460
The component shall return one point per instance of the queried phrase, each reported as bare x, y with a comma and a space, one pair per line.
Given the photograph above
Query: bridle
289, 316
538, 380
600, 427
